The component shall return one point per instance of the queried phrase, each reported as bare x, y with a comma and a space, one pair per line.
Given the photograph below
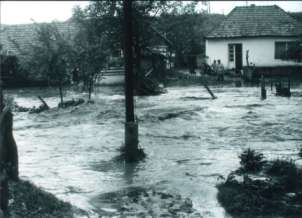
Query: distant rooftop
25, 35
255, 21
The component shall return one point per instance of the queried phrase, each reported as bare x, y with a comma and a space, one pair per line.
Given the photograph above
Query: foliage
12, 72
297, 16
281, 167
99, 41
251, 161
49, 55
48, 58
10, 68
276, 193
91, 50
287, 172
187, 31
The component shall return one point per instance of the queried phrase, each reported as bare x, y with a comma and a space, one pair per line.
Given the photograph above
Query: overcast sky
18, 12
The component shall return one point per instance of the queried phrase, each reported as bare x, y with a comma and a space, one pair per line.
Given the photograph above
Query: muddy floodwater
191, 141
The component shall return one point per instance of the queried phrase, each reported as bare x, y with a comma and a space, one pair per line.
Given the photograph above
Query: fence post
263, 90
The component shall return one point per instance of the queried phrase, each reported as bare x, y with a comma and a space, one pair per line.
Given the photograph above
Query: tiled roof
255, 21
24, 35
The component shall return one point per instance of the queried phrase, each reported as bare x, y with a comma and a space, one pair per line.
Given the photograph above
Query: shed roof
255, 21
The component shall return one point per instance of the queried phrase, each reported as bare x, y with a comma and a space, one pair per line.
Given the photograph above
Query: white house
261, 35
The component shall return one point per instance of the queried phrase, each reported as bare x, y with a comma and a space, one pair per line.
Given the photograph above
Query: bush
251, 161
300, 152
287, 173
276, 193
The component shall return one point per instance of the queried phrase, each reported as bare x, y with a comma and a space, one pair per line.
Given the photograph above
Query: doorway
238, 57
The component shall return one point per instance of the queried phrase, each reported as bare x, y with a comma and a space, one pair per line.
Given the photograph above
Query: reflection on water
191, 141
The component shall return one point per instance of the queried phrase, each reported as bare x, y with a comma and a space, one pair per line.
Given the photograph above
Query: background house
24, 35
266, 36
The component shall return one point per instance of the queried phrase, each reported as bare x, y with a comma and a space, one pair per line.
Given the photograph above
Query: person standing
220, 71
214, 67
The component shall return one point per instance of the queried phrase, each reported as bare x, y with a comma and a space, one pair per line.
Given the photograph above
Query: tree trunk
8, 157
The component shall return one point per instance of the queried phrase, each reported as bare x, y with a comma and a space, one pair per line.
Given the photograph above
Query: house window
287, 50
231, 52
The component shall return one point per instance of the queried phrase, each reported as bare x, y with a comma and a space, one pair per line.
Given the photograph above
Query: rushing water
190, 141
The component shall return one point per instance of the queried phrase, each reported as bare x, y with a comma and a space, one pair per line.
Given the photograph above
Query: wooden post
45, 105
247, 58
271, 82
263, 90
205, 84
131, 126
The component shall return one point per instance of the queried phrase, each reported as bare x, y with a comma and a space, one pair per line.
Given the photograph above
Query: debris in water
145, 202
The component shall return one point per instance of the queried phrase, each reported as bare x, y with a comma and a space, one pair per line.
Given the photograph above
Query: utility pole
1, 88
1, 84
131, 126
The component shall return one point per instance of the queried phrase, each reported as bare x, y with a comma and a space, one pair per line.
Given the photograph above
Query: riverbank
29, 201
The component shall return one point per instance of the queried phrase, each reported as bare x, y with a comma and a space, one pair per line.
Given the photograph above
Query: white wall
261, 51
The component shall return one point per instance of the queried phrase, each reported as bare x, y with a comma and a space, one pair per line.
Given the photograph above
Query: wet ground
191, 141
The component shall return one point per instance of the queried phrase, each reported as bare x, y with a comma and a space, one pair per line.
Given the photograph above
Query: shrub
300, 152
287, 173
280, 167
251, 161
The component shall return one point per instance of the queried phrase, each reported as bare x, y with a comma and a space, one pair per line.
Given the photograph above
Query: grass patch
29, 201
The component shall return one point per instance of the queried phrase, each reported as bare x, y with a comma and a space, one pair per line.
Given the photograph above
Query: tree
108, 17
49, 56
90, 49
186, 29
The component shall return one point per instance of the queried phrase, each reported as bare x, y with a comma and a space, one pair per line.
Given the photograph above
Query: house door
238, 57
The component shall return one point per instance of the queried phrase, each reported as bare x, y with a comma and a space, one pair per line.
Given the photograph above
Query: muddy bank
28, 201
